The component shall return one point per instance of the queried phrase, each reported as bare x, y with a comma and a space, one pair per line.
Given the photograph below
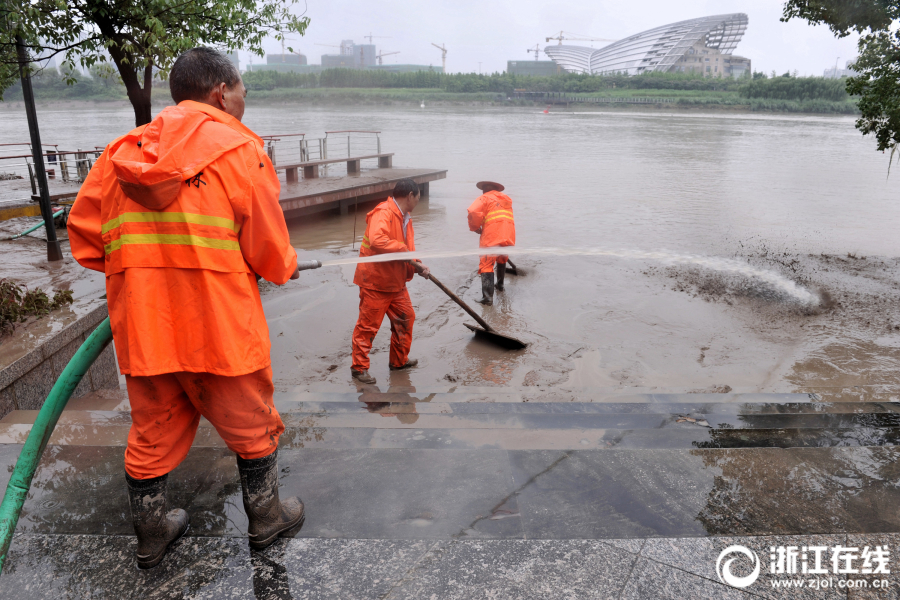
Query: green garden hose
20, 482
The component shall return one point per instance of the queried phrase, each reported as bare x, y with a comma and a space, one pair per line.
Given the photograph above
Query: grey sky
494, 31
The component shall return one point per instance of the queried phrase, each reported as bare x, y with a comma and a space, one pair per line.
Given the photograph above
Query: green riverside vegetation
346, 86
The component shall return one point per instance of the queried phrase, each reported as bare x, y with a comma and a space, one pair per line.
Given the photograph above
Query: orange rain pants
166, 410
373, 305
486, 264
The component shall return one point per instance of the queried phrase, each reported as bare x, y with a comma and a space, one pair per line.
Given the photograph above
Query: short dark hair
198, 71
405, 187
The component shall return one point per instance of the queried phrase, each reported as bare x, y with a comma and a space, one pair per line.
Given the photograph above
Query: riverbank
613, 99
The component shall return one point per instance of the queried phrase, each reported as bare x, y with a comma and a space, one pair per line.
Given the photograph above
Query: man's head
406, 193
208, 76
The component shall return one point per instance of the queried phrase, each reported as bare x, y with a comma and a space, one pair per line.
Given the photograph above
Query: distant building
533, 68
702, 46
233, 57
834, 73
407, 68
352, 56
285, 59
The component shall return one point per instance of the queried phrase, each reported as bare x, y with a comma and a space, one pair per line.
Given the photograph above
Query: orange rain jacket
384, 233
180, 214
492, 212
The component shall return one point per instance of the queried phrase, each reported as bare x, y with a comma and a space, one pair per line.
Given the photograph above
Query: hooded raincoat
180, 215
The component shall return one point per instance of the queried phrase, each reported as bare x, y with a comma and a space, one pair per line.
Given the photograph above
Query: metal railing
65, 165
286, 149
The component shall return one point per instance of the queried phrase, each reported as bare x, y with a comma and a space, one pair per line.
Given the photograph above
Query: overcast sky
494, 31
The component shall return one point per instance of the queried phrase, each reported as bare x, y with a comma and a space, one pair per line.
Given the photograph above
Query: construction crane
443, 50
282, 46
382, 54
562, 36
536, 50
371, 37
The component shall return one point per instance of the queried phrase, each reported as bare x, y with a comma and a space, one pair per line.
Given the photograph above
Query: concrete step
509, 432
376, 493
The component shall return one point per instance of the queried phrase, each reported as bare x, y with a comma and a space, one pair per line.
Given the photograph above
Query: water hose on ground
26, 465
30, 229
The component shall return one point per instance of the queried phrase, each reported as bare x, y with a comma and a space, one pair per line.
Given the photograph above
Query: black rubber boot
269, 517
487, 289
501, 274
155, 528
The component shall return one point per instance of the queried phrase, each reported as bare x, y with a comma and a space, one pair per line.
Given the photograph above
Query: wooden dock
332, 193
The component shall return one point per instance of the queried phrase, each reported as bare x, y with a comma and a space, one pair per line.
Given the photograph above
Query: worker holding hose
182, 215
382, 286
491, 216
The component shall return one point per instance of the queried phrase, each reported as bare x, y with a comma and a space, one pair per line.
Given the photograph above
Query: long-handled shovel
485, 331
512, 269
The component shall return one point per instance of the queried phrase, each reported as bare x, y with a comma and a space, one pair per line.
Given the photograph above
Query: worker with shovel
382, 286
181, 215
491, 215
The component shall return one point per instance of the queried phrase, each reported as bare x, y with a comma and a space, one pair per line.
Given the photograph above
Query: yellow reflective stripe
499, 211
169, 217
499, 217
365, 242
169, 239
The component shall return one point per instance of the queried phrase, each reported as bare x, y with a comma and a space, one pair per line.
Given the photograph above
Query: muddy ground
606, 324
614, 325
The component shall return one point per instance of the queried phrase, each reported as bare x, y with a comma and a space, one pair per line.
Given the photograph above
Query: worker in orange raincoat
491, 215
182, 216
382, 286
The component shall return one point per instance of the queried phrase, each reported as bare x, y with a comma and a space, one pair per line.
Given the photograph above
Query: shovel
485, 331
512, 269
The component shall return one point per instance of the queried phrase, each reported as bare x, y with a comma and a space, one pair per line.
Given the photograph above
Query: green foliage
50, 84
501, 83
17, 304
140, 35
878, 65
796, 88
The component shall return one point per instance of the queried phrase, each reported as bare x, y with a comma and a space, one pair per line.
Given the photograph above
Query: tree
140, 37
878, 81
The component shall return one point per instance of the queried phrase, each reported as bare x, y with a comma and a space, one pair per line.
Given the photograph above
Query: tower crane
382, 54
536, 50
371, 37
562, 36
443, 49
291, 49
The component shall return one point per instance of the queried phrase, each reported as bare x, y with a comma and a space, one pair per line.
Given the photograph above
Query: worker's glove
478, 231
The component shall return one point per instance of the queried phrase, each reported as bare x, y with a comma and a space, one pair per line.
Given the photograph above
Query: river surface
804, 196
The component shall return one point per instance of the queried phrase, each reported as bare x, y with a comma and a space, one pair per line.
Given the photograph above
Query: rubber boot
155, 528
269, 517
501, 275
363, 377
487, 289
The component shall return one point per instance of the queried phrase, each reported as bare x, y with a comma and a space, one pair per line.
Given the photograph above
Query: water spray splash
778, 282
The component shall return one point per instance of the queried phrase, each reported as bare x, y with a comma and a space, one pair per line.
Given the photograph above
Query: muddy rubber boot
363, 377
410, 363
487, 289
269, 517
155, 528
501, 274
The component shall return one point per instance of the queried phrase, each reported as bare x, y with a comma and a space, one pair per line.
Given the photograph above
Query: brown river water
805, 198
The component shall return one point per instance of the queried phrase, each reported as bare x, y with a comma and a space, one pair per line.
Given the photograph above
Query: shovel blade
510, 343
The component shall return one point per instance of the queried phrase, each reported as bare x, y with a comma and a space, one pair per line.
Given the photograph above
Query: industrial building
533, 68
351, 56
703, 46
286, 59
847, 71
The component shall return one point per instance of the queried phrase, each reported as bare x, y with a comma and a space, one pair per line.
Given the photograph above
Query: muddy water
802, 196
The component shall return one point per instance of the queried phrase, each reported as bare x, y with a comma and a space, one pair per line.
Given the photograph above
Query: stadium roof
655, 49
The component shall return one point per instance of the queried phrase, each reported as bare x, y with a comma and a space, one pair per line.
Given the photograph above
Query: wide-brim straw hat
483, 184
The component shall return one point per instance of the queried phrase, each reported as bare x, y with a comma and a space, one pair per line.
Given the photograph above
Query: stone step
494, 493
413, 436
397, 416
286, 398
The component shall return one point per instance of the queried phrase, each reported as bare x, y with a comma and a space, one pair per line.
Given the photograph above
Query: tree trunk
140, 97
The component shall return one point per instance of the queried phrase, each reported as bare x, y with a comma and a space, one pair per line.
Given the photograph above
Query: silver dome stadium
696, 45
